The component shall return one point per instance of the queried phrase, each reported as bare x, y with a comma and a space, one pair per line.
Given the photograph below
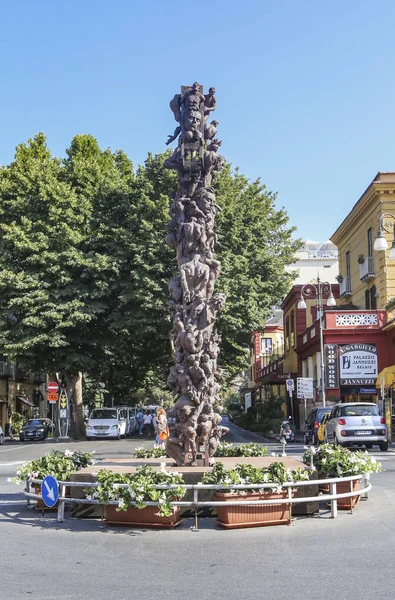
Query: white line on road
12, 464
13, 448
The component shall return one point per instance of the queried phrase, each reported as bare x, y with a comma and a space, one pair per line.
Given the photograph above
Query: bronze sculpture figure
193, 303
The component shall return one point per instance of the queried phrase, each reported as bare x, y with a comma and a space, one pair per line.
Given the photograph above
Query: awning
388, 374
24, 400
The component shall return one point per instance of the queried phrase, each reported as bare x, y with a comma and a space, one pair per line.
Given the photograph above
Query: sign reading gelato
358, 364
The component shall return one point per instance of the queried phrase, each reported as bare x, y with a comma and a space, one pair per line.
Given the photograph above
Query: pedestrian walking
140, 417
147, 422
162, 430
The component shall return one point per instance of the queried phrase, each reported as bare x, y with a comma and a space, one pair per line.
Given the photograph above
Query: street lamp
380, 243
307, 292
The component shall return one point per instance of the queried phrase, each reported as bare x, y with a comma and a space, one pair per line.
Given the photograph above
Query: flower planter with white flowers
335, 461
238, 516
58, 464
131, 507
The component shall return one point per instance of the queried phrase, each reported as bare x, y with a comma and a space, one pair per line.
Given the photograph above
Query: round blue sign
50, 491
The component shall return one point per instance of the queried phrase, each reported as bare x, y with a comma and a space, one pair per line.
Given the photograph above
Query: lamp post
380, 243
321, 289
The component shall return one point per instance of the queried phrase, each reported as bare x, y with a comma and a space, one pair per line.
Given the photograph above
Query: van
130, 414
106, 423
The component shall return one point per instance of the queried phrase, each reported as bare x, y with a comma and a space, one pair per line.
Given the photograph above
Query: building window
367, 299
370, 243
287, 334
266, 346
348, 265
373, 299
293, 329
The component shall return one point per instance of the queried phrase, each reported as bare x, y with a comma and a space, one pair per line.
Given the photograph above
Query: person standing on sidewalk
140, 418
147, 421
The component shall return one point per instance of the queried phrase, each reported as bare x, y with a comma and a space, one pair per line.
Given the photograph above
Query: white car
106, 423
1, 436
357, 423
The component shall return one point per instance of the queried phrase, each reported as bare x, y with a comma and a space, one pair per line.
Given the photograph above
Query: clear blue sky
305, 88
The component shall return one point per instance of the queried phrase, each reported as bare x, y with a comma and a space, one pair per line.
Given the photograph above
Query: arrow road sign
50, 491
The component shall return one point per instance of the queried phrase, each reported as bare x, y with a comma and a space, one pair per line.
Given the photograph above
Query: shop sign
358, 364
331, 366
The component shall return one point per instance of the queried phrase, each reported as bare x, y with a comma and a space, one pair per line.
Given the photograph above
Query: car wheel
305, 439
119, 435
384, 446
369, 446
88, 439
21, 438
315, 440
1, 439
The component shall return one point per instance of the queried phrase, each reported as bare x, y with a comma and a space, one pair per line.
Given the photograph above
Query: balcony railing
345, 287
366, 269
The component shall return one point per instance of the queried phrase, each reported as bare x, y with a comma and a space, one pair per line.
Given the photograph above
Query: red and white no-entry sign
53, 387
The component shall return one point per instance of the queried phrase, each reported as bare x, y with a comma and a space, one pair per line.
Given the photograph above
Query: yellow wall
352, 236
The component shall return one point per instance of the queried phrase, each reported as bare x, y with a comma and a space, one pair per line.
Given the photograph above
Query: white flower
68, 453
9, 479
273, 454
121, 503
18, 472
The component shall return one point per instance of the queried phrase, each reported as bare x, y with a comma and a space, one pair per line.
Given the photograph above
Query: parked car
35, 429
312, 424
359, 424
1, 435
107, 423
321, 429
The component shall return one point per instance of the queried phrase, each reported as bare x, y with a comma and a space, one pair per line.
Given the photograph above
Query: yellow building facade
367, 277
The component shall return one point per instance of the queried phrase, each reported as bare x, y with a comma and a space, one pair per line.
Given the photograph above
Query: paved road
315, 558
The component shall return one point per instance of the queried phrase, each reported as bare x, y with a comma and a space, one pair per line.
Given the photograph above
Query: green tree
46, 305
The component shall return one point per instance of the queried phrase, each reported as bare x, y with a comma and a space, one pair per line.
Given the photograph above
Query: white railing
332, 497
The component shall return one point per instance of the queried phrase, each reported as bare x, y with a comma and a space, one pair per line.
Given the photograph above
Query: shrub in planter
253, 515
57, 463
331, 461
223, 449
142, 452
140, 489
226, 449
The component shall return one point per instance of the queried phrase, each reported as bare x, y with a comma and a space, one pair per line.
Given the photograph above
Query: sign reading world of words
358, 364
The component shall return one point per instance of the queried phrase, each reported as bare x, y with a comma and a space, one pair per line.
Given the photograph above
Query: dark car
36, 429
313, 421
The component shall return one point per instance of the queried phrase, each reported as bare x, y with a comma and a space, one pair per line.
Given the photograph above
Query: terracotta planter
342, 488
233, 517
143, 517
40, 503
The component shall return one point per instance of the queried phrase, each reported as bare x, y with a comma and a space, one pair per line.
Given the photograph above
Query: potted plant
336, 461
140, 490
339, 278
390, 305
223, 449
252, 515
57, 463
361, 259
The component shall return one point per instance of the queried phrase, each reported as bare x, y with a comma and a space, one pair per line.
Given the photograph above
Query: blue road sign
50, 491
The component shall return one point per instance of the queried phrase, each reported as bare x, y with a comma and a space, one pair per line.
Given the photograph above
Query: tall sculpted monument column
193, 303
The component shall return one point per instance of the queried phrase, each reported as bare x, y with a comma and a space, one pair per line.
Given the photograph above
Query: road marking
13, 448
12, 464
10, 502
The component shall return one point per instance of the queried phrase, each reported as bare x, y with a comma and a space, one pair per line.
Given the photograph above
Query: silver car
357, 423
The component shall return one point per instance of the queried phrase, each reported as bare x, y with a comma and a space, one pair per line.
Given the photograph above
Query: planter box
342, 488
143, 517
233, 517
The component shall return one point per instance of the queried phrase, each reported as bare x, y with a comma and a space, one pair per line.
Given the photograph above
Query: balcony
345, 287
366, 269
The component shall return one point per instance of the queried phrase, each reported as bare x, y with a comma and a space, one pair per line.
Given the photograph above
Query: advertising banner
358, 364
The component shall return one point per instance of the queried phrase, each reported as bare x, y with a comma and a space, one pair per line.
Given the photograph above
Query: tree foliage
84, 267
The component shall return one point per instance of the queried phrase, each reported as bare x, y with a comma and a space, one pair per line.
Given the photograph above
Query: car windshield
359, 411
103, 414
322, 412
36, 422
